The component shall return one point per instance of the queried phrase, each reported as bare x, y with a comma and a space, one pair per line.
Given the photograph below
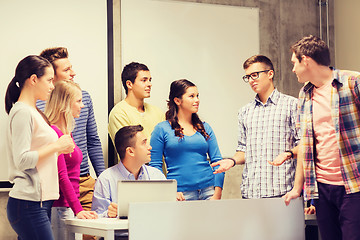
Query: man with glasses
267, 133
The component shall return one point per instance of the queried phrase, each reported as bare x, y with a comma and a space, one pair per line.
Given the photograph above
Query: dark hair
52, 54
177, 90
125, 138
313, 47
130, 72
258, 59
28, 66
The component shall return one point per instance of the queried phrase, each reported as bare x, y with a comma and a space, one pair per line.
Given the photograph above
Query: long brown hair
177, 90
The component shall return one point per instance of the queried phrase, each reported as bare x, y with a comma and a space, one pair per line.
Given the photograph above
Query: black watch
291, 152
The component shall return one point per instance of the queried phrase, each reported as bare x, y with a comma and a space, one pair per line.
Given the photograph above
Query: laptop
143, 191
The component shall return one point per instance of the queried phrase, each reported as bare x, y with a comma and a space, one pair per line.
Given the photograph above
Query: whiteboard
28, 27
204, 43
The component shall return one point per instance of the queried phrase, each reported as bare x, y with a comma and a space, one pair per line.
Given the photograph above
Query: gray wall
282, 22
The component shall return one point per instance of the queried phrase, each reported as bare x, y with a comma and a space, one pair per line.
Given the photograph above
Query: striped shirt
345, 106
265, 131
86, 136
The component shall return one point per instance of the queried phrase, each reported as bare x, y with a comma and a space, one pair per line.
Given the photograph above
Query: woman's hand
217, 194
180, 196
87, 215
65, 144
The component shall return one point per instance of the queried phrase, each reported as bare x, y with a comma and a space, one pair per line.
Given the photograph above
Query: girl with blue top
185, 142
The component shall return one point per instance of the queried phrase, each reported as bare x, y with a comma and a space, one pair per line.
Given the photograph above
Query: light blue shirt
105, 191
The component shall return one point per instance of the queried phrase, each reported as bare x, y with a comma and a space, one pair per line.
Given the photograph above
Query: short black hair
130, 72
125, 138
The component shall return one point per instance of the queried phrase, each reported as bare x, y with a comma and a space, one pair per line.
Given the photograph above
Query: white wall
28, 27
347, 34
204, 43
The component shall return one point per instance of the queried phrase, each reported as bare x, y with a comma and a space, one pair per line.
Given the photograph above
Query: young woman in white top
32, 150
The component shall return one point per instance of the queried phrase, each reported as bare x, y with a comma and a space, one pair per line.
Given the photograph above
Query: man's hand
280, 159
224, 165
291, 195
112, 210
310, 210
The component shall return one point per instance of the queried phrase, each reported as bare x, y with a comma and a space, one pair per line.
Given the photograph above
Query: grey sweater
27, 132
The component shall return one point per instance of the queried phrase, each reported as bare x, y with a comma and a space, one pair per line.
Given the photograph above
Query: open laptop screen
144, 191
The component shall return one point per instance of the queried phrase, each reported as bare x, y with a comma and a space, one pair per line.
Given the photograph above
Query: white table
255, 219
103, 227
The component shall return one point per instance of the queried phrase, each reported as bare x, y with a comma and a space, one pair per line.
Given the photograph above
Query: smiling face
142, 85
264, 82
63, 70
189, 101
44, 84
77, 104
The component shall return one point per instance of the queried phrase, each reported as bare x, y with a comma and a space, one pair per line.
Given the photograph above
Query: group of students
43, 157
284, 142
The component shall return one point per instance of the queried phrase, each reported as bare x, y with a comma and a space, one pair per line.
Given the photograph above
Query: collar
273, 98
337, 81
128, 175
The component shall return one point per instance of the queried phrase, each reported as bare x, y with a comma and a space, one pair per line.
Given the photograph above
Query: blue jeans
200, 194
58, 216
29, 219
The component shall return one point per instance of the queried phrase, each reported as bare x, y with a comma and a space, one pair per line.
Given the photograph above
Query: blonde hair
59, 103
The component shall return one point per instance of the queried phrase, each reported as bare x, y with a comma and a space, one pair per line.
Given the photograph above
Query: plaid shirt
265, 131
345, 106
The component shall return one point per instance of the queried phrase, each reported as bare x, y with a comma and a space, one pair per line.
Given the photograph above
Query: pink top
69, 174
327, 149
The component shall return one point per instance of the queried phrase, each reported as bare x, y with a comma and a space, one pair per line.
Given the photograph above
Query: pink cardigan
69, 174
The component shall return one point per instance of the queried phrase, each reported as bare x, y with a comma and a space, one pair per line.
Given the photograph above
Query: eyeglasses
253, 76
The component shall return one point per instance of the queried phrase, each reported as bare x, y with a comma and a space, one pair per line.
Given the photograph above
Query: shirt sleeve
242, 133
355, 90
157, 143
294, 129
21, 134
66, 187
93, 142
117, 120
102, 197
64, 182
214, 154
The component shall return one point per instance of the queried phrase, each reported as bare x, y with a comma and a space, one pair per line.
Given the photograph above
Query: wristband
291, 152
233, 161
